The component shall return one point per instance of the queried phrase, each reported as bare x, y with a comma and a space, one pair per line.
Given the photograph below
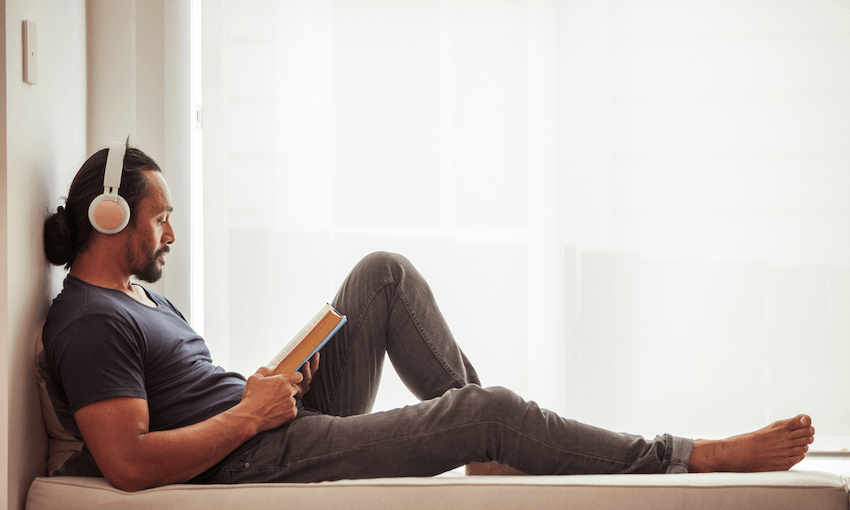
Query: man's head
68, 232
149, 235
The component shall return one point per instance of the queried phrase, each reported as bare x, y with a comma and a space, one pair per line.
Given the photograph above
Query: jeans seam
383, 283
427, 338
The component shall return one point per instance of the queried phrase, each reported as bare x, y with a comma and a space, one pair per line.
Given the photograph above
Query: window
639, 220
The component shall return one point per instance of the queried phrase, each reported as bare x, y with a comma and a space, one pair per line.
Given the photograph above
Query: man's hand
270, 399
307, 370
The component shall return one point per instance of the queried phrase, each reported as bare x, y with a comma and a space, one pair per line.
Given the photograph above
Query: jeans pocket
230, 469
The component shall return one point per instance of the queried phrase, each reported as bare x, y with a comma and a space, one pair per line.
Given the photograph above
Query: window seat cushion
798, 490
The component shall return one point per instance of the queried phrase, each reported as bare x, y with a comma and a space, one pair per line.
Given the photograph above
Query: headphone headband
109, 212
114, 166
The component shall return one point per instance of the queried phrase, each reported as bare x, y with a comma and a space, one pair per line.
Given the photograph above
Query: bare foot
776, 447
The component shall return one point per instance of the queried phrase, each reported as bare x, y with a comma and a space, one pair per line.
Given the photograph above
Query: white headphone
109, 212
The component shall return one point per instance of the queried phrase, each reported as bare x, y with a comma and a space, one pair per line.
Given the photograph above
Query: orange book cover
312, 337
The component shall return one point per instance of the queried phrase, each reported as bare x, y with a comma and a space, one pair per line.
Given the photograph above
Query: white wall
102, 71
45, 144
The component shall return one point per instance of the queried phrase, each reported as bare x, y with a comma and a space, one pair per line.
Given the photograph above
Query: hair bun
58, 239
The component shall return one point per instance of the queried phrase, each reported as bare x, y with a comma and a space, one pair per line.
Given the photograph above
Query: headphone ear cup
109, 214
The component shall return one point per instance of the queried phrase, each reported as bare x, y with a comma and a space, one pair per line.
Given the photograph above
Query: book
312, 337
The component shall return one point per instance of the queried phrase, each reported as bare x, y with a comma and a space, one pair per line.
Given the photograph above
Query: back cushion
61, 445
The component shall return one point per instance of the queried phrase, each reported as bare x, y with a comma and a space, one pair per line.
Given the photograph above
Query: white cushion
797, 490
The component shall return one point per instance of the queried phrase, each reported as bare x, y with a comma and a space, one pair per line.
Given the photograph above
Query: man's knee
384, 258
383, 263
493, 403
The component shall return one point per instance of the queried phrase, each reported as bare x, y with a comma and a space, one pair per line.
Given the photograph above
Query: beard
150, 271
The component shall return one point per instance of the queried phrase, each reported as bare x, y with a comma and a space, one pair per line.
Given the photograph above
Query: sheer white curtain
636, 213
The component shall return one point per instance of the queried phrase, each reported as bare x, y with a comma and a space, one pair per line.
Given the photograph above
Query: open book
308, 341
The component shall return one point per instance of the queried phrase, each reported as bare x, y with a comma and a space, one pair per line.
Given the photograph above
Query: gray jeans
391, 310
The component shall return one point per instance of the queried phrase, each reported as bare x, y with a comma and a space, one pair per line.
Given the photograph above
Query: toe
799, 422
799, 450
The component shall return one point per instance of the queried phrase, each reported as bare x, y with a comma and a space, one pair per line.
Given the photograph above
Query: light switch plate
30, 53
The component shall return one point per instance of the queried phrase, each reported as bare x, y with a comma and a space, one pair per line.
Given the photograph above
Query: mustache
162, 251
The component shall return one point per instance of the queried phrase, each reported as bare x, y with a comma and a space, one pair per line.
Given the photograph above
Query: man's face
150, 231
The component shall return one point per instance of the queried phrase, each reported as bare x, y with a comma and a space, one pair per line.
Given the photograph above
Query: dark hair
68, 230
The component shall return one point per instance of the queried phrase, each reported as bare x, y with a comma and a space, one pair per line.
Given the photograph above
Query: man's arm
132, 458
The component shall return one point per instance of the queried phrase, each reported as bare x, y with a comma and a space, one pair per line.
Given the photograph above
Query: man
137, 385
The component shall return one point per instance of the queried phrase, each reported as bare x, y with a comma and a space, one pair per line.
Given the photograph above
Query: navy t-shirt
100, 343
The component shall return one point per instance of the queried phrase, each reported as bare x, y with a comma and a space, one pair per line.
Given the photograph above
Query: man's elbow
126, 486
128, 478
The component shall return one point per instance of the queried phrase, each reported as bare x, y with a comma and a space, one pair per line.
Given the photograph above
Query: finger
264, 371
294, 377
306, 369
308, 376
314, 362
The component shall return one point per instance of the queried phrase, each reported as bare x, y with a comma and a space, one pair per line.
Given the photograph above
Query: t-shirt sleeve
99, 357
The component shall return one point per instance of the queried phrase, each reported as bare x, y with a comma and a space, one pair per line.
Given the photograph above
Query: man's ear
100, 239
